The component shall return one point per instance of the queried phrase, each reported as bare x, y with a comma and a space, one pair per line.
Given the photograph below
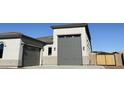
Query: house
17, 50
69, 45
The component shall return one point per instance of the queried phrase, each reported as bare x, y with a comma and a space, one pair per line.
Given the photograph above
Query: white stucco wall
72, 31
88, 45
49, 59
11, 52
67, 31
52, 60
45, 49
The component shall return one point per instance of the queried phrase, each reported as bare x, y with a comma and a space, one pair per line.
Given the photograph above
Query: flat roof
74, 25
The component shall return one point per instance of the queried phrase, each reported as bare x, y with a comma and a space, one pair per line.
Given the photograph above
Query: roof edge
10, 35
73, 25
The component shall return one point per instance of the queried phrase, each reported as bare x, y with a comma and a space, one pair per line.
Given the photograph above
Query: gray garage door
69, 50
31, 56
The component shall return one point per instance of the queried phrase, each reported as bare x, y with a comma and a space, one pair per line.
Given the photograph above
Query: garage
69, 50
31, 55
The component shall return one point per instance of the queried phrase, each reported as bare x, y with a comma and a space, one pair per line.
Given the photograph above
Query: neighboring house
70, 45
17, 50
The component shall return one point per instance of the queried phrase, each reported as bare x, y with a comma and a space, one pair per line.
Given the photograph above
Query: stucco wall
11, 52
84, 43
49, 59
52, 60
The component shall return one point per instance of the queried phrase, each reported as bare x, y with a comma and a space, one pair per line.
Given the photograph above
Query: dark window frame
49, 51
1, 50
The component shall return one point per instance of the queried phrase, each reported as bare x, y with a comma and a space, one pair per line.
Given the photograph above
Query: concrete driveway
64, 67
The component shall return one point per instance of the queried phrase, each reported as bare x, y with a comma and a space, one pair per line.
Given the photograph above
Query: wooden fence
113, 59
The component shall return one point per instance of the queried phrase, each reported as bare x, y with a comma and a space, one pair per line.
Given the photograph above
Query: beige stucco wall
52, 60
11, 52
45, 49
68, 31
49, 59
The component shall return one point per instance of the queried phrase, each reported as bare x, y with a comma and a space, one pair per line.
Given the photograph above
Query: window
1, 49
50, 51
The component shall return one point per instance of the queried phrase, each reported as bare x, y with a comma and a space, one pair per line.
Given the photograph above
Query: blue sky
105, 37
